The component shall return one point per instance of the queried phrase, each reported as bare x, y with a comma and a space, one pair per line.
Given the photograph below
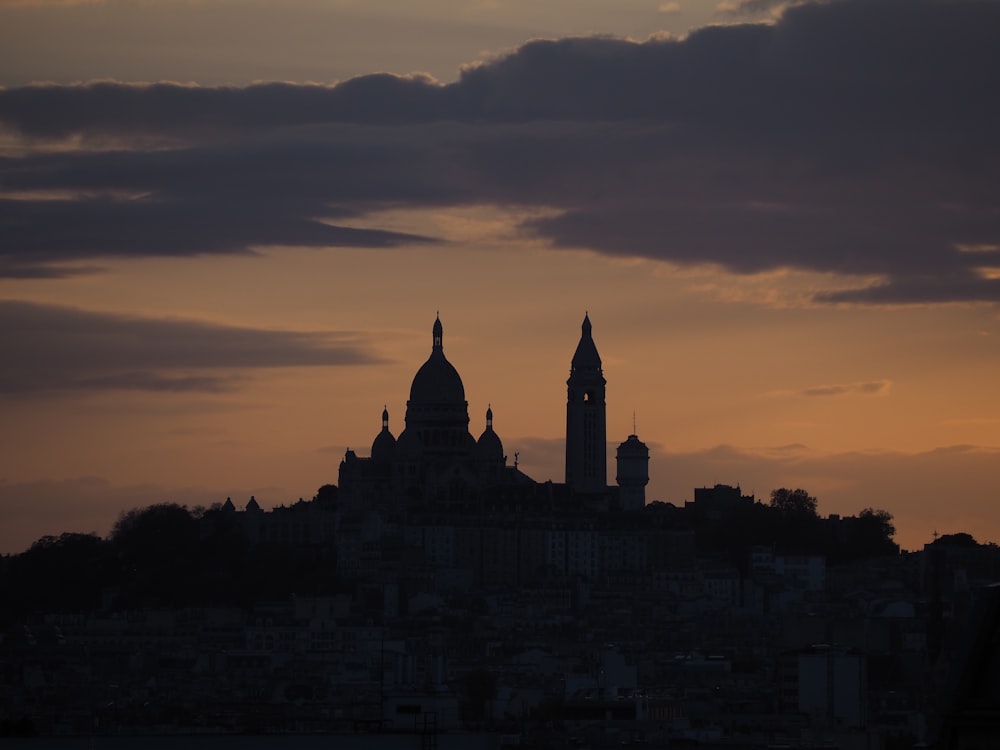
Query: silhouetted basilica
436, 465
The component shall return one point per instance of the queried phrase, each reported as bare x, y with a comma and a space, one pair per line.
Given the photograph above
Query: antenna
634, 432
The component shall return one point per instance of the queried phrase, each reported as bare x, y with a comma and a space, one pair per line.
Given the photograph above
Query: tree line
790, 524
162, 555
166, 555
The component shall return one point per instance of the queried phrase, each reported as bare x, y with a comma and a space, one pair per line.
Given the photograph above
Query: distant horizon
193, 499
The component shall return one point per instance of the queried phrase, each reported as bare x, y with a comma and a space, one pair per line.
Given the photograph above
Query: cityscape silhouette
499, 374
438, 594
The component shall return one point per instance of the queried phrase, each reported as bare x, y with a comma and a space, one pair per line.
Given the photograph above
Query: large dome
437, 381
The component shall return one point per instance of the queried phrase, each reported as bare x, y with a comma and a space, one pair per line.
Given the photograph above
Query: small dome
384, 445
633, 446
489, 447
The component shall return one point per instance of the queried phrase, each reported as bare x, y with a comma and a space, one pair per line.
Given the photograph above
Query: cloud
871, 388
745, 7
39, 3
191, 202
52, 349
966, 285
854, 137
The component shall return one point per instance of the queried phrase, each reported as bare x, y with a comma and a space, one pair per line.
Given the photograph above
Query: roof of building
586, 356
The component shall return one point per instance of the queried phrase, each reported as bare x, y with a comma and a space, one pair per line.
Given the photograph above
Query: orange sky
248, 363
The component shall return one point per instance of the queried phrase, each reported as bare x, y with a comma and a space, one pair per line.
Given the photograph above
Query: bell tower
586, 419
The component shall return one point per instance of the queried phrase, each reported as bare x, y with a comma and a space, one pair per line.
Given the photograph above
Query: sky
226, 229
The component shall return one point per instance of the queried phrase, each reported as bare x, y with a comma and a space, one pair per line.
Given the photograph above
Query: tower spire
586, 418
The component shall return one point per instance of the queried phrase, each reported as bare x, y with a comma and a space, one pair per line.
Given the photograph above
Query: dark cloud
174, 112
48, 349
919, 288
853, 137
44, 232
193, 201
871, 388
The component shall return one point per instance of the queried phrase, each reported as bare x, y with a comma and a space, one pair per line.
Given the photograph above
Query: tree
798, 502
873, 533
160, 529
57, 574
961, 539
326, 495
157, 548
880, 519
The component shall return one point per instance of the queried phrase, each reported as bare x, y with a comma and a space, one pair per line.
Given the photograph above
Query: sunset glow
790, 262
